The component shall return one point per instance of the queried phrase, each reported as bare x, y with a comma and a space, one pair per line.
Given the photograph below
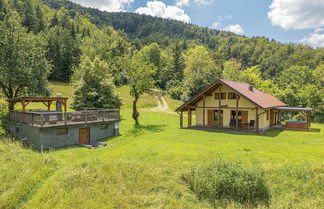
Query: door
84, 136
245, 121
272, 118
210, 118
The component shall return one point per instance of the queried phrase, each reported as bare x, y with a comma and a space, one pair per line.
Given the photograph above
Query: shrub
3, 115
222, 181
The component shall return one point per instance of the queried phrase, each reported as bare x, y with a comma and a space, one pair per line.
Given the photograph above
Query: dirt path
162, 105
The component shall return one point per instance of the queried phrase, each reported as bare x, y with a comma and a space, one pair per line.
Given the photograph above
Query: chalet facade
231, 105
44, 129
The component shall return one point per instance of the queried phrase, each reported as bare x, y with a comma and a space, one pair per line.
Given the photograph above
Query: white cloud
106, 5
205, 2
315, 39
234, 29
159, 9
297, 14
228, 16
181, 3
216, 25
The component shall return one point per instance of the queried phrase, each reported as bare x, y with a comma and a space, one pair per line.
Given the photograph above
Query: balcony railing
54, 118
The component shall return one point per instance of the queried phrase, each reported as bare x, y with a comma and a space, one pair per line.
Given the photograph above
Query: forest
96, 51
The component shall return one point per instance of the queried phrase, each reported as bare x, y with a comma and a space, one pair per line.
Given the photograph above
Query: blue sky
297, 21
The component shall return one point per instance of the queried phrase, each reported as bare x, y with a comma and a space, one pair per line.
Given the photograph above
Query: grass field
142, 167
67, 90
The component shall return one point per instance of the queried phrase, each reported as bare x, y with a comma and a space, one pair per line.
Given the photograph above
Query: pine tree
29, 16
4, 7
41, 21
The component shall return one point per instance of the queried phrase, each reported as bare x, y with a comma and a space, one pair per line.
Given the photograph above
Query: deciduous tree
23, 65
139, 74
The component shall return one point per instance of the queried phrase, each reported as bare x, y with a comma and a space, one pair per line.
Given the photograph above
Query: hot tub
296, 124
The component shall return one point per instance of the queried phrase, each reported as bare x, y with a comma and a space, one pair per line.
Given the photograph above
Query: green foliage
223, 181
110, 46
231, 70
200, 71
3, 116
23, 64
94, 87
139, 74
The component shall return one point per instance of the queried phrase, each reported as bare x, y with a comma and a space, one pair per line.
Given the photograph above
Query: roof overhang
294, 108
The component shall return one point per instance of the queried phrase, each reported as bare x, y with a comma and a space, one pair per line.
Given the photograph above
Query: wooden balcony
57, 118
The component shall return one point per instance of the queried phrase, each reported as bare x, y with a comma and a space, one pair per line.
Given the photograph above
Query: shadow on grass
141, 129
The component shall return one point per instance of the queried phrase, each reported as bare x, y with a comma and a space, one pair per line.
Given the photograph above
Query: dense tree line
96, 51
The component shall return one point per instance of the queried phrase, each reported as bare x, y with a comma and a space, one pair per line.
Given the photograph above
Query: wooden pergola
47, 101
307, 112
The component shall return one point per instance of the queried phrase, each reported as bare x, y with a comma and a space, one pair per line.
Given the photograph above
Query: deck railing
52, 118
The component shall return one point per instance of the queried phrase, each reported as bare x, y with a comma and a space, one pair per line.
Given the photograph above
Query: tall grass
223, 181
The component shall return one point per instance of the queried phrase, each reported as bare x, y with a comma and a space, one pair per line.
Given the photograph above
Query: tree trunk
135, 112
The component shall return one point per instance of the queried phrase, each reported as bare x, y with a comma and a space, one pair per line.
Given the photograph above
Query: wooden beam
189, 117
236, 112
246, 108
257, 120
181, 119
219, 105
204, 98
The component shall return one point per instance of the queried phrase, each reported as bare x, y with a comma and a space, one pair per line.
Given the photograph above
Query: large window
61, 131
220, 95
232, 95
215, 121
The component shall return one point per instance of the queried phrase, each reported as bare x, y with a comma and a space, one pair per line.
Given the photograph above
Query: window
61, 131
223, 95
268, 113
232, 95
104, 126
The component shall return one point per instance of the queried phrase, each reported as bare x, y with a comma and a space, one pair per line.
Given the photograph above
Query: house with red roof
232, 105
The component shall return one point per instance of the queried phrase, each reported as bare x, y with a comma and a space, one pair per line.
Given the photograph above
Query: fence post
65, 118
86, 117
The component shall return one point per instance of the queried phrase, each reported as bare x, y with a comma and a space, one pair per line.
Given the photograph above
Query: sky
287, 21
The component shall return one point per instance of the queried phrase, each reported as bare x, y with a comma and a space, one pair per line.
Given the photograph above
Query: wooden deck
223, 129
54, 118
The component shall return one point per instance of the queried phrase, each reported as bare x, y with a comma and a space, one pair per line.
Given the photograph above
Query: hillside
142, 167
145, 29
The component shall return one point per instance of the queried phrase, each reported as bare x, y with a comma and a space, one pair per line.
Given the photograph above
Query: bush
222, 181
3, 115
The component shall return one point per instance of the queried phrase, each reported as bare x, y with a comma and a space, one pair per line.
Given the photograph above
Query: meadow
142, 167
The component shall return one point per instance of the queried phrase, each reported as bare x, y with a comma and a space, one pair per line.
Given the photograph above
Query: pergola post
204, 111
181, 119
236, 112
257, 120
219, 106
189, 116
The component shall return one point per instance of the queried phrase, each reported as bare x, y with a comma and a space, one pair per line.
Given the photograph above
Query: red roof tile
261, 99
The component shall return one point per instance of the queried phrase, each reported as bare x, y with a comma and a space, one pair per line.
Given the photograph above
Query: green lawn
142, 167
67, 90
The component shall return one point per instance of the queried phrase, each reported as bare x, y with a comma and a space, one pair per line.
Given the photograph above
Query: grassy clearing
142, 167
67, 90
145, 100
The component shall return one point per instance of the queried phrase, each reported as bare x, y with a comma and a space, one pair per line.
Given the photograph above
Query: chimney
251, 88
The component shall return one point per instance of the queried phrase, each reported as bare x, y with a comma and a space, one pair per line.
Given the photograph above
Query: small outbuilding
44, 129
